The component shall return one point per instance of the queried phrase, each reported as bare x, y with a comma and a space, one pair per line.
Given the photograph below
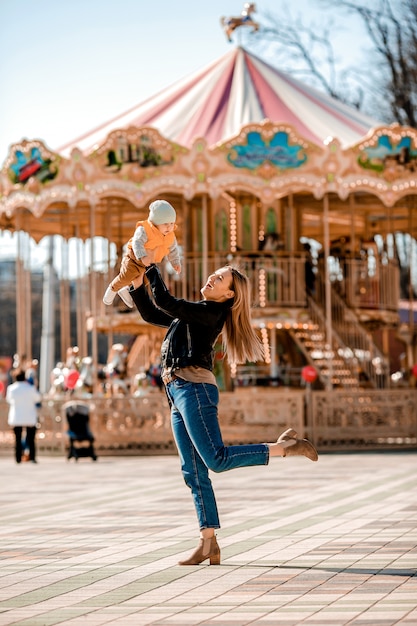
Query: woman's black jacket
193, 326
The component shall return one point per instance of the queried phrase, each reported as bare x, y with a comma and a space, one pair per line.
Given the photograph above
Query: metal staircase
335, 364
373, 365
352, 360
139, 355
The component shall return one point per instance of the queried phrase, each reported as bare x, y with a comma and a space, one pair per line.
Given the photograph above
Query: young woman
187, 356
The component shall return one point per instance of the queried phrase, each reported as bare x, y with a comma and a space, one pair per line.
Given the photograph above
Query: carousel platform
89, 544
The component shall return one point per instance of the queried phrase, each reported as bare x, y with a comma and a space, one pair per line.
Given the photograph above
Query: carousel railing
377, 289
276, 279
364, 419
333, 420
366, 285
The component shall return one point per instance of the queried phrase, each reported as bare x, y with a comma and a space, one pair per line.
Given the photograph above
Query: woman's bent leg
197, 404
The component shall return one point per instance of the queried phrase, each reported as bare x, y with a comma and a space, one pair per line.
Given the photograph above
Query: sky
67, 66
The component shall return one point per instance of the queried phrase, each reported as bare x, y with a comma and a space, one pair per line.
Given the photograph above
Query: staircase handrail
338, 346
371, 359
136, 357
349, 328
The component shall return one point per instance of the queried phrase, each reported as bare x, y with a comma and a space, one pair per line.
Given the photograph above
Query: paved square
328, 543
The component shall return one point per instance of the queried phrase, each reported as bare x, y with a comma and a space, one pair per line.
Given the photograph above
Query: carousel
304, 193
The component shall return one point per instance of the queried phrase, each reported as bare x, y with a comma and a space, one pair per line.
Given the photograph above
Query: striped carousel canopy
237, 89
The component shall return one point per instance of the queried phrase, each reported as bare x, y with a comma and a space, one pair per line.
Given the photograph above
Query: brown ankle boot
290, 433
206, 549
300, 447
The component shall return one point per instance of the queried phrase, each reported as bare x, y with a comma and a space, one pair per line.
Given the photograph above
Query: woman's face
218, 286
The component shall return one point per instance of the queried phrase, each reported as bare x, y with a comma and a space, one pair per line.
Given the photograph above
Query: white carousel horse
85, 382
231, 23
73, 357
74, 381
116, 370
57, 380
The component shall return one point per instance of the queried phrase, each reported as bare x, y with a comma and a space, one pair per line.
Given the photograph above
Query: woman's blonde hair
240, 341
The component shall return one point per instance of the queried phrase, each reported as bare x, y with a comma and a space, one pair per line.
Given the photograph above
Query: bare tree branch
387, 79
392, 30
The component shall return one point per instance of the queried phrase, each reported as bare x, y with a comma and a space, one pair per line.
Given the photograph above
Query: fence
334, 420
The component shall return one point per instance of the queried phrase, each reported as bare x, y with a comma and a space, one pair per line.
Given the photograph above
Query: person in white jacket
23, 399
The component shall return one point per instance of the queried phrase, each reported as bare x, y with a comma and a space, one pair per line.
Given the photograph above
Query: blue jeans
196, 430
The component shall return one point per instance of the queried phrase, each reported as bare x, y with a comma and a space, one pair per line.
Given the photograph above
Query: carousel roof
236, 89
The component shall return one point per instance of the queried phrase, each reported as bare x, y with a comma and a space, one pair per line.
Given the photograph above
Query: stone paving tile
92, 544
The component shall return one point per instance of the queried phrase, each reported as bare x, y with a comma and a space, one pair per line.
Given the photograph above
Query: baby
153, 239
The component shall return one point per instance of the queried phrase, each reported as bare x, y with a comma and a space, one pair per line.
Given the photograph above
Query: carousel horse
65, 376
230, 24
58, 380
71, 380
116, 370
85, 382
73, 357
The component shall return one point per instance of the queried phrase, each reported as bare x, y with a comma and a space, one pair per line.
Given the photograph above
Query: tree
308, 53
385, 82
392, 29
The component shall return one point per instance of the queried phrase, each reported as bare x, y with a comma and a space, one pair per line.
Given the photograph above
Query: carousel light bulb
265, 343
262, 288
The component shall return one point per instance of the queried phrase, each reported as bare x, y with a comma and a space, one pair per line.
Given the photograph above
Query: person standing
23, 399
187, 360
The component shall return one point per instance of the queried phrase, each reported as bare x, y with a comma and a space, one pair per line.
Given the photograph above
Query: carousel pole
109, 271
65, 300
80, 310
93, 293
328, 293
48, 321
21, 297
411, 351
28, 302
273, 371
204, 220
188, 270
351, 276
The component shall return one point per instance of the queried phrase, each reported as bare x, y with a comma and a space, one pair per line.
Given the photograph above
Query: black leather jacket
193, 326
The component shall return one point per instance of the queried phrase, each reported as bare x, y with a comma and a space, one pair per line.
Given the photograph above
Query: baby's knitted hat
161, 212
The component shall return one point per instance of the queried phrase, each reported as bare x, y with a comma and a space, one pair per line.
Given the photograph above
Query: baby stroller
78, 416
